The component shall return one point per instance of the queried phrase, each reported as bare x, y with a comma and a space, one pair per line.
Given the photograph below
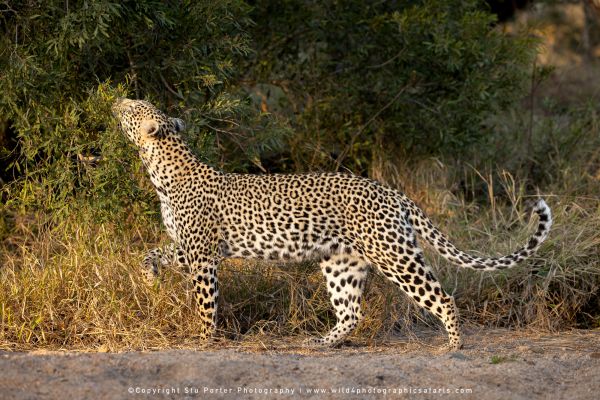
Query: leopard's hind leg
401, 261
345, 276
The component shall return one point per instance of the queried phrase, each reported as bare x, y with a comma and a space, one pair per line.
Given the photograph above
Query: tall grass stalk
77, 286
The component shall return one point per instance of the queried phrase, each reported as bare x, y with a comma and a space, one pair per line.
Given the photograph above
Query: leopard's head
143, 123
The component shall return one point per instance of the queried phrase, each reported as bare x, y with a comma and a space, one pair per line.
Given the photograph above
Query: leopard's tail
424, 227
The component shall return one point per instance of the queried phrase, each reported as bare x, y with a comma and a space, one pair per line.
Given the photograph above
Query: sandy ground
494, 365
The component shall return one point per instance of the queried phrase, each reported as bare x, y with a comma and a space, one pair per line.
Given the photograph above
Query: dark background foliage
415, 77
352, 80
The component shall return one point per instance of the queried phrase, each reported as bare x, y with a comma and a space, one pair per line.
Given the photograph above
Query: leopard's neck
170, 162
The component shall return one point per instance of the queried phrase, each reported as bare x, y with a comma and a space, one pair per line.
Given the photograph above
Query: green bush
355, 81
375, 78
63, 63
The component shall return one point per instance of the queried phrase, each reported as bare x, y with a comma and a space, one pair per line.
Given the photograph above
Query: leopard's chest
168, 217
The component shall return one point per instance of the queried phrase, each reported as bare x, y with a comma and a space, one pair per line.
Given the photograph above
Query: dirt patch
494, 365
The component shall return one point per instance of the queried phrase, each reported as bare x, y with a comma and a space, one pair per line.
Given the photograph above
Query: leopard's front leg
156, 258
203, 271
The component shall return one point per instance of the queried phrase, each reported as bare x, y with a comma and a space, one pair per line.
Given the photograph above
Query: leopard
350, 225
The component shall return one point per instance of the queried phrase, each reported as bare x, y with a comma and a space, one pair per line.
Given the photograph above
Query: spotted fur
347, 222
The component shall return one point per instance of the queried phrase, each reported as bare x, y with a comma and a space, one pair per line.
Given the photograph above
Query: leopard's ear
149, 127
178, 124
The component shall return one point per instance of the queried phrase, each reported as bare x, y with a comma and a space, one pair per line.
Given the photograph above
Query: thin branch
383, 64
169, 88
134, 77
529, 134
8, 8
356, 134
229, 121
228, 133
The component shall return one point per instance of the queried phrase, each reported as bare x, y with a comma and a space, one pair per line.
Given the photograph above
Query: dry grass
77, 286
